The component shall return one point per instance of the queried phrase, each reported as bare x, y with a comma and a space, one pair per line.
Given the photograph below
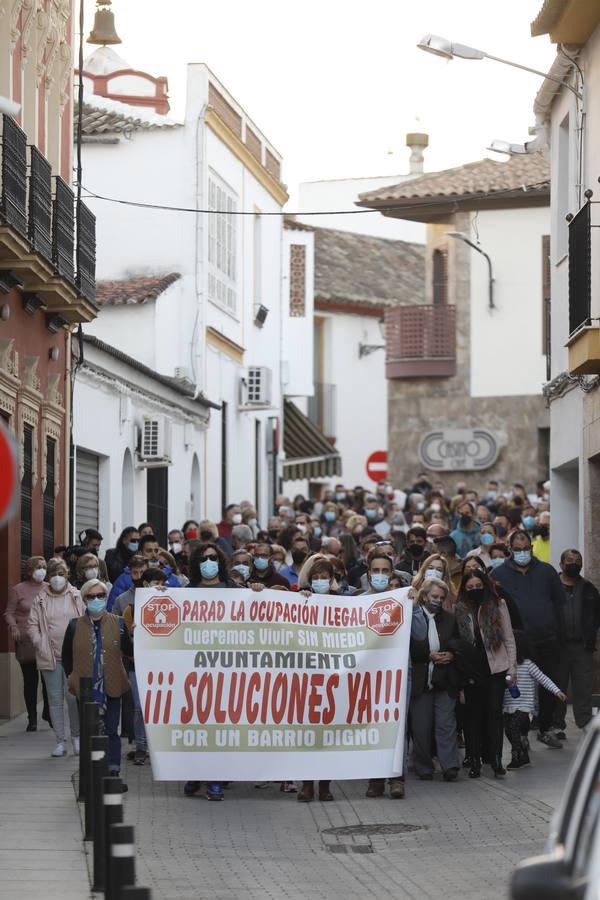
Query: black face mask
475, 595
137, 582
466, 520
415, 550
273, 532
572, 570
544, 532
298, 556
501, 530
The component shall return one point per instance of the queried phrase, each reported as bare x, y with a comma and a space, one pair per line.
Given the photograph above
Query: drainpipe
198, 332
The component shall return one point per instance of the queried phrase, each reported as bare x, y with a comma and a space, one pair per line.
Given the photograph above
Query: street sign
9, 474
377, 465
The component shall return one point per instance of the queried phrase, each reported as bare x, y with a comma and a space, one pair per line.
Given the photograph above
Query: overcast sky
336, 84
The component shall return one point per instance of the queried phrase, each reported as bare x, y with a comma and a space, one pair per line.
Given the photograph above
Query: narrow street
454, 840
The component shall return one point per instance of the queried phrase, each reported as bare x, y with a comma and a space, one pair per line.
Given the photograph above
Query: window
49, 542
546, 287
297, 280
563, 170
27, 494
157, 502
257, 259
440, 277
87, 490
222, 245
224, 455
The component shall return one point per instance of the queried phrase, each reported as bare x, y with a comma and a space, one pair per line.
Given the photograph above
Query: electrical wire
331, 212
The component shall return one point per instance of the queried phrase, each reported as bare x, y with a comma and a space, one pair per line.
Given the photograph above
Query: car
570, 868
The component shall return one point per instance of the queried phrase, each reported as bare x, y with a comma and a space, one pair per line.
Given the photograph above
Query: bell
104, 31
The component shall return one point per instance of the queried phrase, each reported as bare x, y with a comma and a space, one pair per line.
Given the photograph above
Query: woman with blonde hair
436, 566
51, 611
435, 686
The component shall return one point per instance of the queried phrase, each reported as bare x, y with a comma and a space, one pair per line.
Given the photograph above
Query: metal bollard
122, 859
99, 756
135, 893
91, 717
85, 696
113, 815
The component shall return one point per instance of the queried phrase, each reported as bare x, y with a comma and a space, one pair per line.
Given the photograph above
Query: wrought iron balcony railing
13, 202
63, 224
86, 251
420, 341
40, 204
580, 268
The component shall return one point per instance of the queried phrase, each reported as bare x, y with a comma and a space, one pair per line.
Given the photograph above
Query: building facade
571, 123
47, 286
458, 406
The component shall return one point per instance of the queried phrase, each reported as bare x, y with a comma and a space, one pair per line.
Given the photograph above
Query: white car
570, 868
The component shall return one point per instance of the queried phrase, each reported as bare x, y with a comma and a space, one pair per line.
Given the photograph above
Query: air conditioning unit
155, 440
255, 388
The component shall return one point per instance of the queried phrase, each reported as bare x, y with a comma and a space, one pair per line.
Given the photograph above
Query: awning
308, 452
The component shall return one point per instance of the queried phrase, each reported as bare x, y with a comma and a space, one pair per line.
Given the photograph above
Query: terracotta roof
292, 224
102, 116
360, 270
547, 17
133, 290
482, 178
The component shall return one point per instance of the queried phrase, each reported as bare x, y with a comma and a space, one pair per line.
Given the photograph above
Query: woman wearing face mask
18, 607
488, 536
93, 647
51, 611
86, 568
484, 623
435, 686
436, 566
118, 558
239, 569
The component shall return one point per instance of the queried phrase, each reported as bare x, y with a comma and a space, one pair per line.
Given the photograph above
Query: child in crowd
517, 710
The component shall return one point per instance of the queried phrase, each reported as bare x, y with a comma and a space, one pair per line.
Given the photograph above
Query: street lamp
445, 48
461, 236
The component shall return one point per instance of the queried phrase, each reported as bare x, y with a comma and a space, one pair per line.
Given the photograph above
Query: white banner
243, 686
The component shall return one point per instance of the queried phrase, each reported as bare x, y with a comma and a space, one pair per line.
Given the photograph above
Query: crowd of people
498, 635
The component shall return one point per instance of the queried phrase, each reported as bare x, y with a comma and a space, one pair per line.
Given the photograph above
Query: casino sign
459, 449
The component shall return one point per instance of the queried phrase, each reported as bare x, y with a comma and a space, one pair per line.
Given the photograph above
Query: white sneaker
59, 750
76, 746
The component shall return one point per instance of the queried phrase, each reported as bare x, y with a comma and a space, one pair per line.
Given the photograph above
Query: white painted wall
512, 331
342, 194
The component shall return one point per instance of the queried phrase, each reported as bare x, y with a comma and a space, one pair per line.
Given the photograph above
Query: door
86, 491
157, 487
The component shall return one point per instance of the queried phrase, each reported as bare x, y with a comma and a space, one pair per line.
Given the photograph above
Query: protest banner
237, 685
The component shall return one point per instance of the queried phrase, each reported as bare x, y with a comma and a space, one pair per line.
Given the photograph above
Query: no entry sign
377, 465
9, 473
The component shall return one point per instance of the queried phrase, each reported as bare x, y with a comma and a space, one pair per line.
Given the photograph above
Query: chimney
417, 142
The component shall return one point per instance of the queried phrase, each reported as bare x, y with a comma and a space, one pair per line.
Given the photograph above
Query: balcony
584, 333
38, 222
420, 341
322, 408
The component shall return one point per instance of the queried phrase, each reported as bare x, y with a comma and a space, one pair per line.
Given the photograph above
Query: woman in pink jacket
51, 611
18, 607
484, 623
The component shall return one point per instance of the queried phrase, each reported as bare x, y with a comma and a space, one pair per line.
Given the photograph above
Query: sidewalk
41, 849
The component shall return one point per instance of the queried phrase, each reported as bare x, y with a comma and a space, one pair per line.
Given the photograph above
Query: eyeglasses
211, 557
96, 596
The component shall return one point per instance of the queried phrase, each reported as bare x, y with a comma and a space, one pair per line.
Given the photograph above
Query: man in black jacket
539, 595
582, 620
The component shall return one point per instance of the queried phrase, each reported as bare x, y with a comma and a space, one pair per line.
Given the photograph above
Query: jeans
110, 725
483, 712
58, 691
30, 690
548, 657
139, 728
433, 717
577, 666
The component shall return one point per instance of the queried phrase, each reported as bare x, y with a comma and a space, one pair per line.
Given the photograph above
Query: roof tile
133, 290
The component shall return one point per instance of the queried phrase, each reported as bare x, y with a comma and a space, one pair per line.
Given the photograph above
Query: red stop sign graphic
377, 465
160, 616
385, 616
9, 473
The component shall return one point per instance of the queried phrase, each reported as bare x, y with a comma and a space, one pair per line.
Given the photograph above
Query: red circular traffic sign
377, 465
9, 473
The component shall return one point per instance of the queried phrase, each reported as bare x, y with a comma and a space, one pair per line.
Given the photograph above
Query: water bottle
514, 690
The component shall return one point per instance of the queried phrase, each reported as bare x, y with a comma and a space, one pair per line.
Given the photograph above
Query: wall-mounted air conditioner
155, 441
255, 388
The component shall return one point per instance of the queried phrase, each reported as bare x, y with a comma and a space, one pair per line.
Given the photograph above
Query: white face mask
38, 575
91, 573
176, 548
236, 519
58, 583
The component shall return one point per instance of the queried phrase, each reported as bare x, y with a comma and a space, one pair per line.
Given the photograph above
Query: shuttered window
546, 302
49, 497
440, 277
222, 251
26, 494
87, 491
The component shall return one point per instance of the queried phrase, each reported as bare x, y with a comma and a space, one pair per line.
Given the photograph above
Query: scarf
98, 692
489, 620
433, 639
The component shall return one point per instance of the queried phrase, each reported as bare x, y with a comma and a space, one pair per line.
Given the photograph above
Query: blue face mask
528, 522
494, 563
330, 516
433, 573
487, 539
209, 568
243, 570
261, 563
522, 557
133, 546
320, 585
370, 513
380, 582
97, 605
317, 531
